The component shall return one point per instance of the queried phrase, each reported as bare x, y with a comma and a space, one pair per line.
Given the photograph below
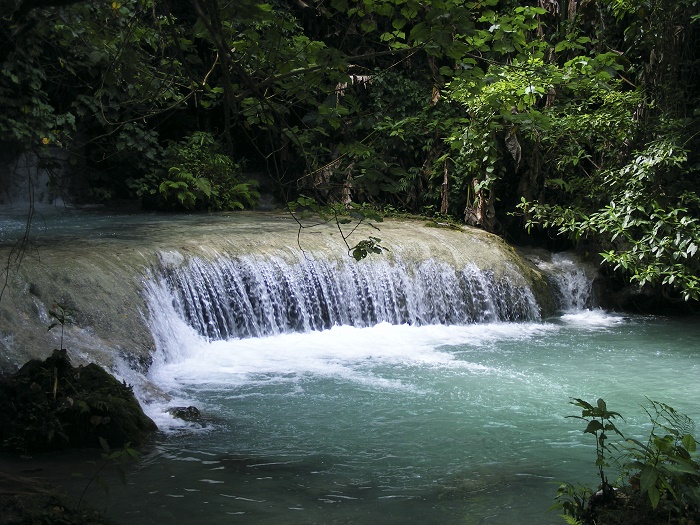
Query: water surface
462, 422
401, 424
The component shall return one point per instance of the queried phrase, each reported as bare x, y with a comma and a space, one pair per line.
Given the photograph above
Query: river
384, 419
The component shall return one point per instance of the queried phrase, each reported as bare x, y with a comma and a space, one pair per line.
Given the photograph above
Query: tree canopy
551, 121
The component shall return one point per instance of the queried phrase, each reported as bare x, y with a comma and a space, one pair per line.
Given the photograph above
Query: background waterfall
571, 280
254, 296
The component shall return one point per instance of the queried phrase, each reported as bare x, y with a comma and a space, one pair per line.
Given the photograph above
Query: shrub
658, 482
197, 176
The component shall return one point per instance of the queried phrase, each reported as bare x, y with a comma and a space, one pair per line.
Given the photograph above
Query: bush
197, 176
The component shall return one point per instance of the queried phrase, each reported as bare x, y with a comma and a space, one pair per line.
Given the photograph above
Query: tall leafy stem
61, 316
599, 423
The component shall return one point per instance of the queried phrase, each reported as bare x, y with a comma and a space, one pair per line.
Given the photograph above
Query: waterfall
142, 283
254, 296
572, 281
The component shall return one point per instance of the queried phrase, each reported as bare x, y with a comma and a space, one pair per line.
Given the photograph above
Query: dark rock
185, 413
50, 404
138, 361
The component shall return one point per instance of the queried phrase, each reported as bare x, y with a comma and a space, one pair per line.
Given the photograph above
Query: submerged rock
49, 405
191, 414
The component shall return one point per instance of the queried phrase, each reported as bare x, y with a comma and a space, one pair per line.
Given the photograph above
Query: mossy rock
52, 405
191, 414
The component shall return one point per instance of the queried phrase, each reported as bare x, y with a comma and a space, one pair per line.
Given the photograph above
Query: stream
435, 392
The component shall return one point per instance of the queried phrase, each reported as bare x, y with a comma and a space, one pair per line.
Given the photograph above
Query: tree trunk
444, 192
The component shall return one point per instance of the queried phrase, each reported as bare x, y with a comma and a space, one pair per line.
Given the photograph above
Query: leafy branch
354, 215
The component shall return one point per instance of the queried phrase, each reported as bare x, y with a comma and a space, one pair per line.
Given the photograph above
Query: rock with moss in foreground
50, 405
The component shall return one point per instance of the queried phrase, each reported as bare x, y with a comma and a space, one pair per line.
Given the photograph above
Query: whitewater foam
596, 318
343, 352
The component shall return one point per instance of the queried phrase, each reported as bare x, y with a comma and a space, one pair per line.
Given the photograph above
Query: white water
257, 296
572, 280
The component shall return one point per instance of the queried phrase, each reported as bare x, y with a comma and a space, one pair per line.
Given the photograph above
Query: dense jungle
548, 122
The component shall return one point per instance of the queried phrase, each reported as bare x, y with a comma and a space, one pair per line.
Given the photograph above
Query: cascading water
571, 280
253, 296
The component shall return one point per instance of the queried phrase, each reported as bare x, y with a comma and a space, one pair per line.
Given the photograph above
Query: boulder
49, 405
190, 413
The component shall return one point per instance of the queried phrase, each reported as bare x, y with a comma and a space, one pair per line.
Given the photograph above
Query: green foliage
649, 228
384, 150
573, 501
664, 467
61, 317
546, 122
659, 480
198, 176
86, 78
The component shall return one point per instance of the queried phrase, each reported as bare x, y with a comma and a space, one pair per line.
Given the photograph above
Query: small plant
600, 423
61, 317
